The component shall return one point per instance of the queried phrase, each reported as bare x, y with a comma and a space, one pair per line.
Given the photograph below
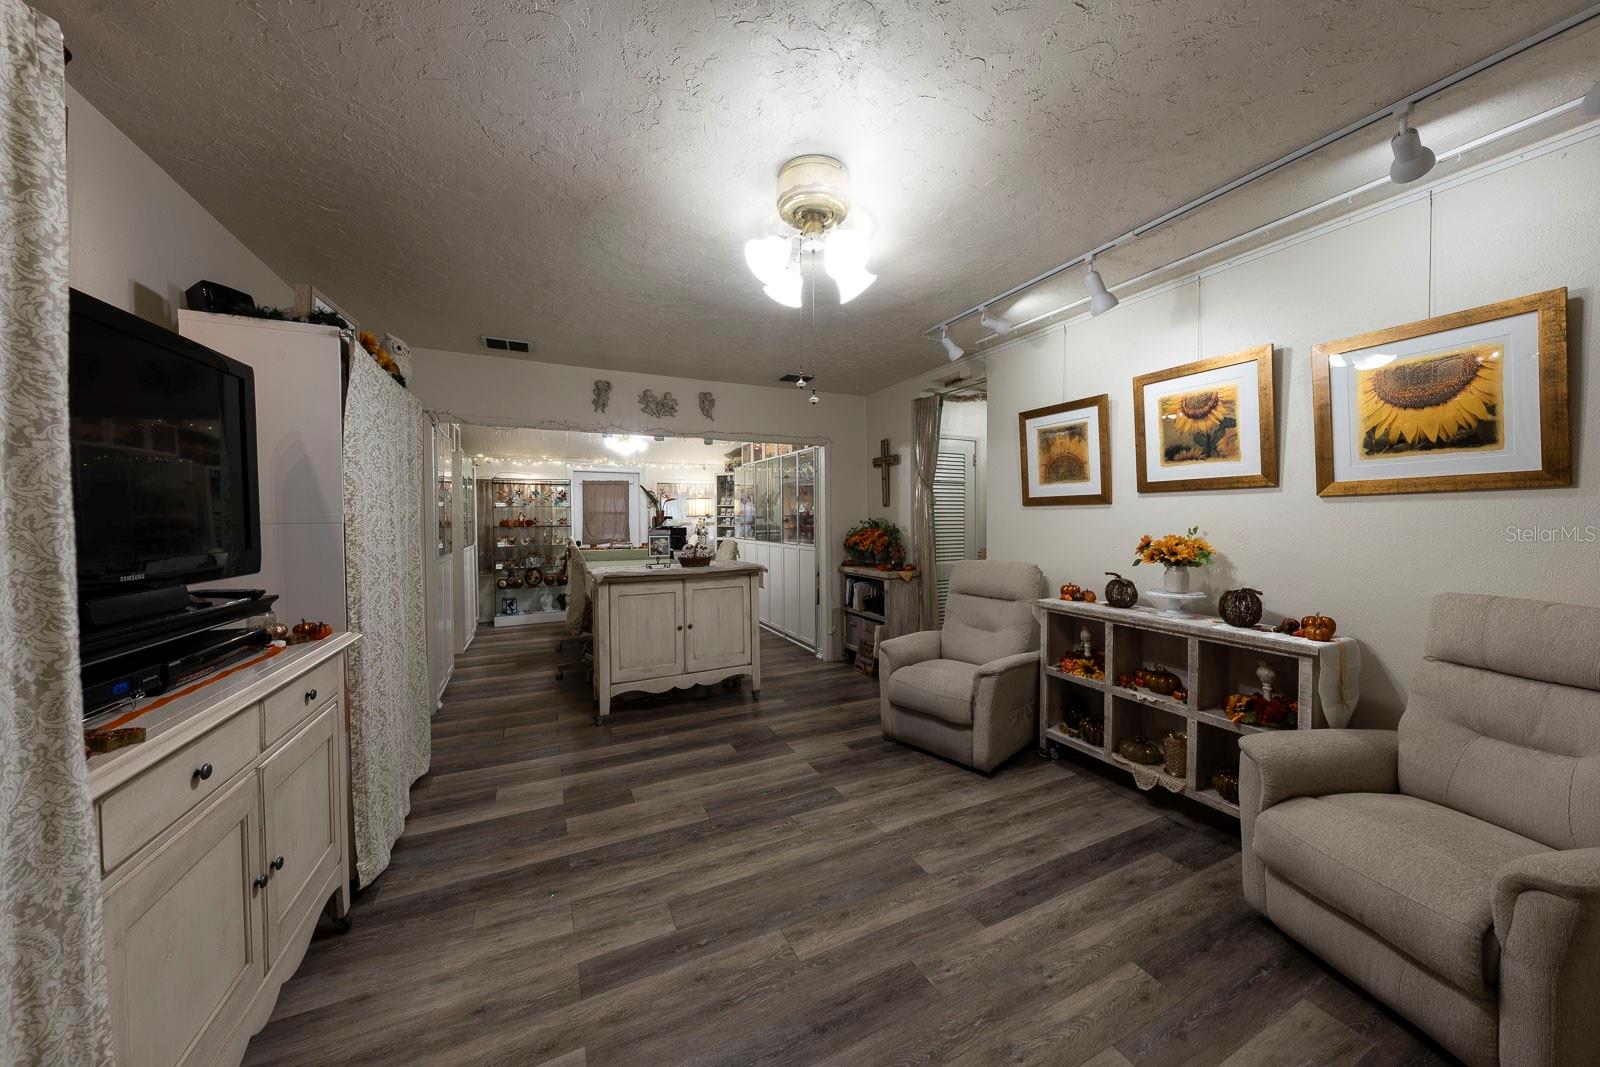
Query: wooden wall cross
885, 460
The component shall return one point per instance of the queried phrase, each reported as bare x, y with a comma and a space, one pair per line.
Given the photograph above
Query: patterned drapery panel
53, 1006
390, 708
605, 512
924, 457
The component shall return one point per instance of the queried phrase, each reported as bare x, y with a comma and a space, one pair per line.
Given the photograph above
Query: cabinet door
646, 624
767, 558
183, 937
806, 565
299, 788
791, 590
718, 627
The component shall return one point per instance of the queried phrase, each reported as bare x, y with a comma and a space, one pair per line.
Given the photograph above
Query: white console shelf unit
1212, 658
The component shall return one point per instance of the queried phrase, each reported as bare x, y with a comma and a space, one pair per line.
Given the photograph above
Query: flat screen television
163, 437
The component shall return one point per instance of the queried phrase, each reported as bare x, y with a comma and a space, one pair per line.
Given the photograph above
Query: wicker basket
1175, 747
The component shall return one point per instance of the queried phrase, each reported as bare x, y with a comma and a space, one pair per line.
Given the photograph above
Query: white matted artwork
1207, 425
1472, 400
1066, 453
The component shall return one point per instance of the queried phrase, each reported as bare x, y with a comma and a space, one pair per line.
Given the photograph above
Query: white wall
492, 390
1371, 562
138, 240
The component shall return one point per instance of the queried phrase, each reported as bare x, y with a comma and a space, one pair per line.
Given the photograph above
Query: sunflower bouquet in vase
1178, 553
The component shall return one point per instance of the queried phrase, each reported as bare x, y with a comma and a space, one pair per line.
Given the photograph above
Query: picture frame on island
1475, 399
1207, 425
1065, 452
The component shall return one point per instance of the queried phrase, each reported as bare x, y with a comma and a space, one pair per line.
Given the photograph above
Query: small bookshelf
877, 604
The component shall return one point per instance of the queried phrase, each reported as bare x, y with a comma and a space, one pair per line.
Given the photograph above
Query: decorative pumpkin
1120, 592
1287, 626
1087, 596
1318, 627
1140, 750
1226, 783
1070, 591
1162, 682
1181, 695
1241, 607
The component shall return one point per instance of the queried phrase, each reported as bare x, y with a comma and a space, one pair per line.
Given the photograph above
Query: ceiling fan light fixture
1000, 327
1101, 299
951, 349
1412, 158
815, 212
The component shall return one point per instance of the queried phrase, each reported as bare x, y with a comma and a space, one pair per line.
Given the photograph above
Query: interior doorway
540, 492
960, 504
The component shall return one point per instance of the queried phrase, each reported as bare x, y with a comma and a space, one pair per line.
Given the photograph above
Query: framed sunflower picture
1066, 453
1475, 399
1207, 425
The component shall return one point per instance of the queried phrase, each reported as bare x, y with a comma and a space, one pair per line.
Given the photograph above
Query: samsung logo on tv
132, 577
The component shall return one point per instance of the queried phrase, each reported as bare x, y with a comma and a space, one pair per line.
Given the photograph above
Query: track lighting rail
1382, 114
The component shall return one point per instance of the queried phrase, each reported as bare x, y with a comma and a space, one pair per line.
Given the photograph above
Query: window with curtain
605, 512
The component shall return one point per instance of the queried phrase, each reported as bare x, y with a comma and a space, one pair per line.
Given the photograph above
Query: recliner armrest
1006, 664
1546, 911
907, 649
1310, 763
1573, 875
1306, 763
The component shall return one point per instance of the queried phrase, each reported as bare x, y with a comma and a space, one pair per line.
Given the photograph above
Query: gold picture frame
1475, 399
1210, 424
1065, 452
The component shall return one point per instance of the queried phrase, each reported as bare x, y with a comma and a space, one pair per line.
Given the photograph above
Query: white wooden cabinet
222, 838
661, 629
788, 602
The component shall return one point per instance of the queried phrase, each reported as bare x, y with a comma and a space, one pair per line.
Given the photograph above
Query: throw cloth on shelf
53, 1006
1339, 680
387, 672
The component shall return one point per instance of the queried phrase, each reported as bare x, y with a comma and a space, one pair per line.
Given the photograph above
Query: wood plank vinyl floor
710, 879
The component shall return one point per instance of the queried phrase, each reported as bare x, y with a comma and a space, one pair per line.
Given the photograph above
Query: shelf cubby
1212, 660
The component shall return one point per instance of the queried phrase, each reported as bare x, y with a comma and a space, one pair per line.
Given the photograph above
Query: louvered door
955, 509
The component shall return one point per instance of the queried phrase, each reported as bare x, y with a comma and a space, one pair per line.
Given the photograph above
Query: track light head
951, 349
1412, 158
998, 326
1101, 299
1591, 102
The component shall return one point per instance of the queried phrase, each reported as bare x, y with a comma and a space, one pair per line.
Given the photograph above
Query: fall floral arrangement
1174, 550
1092, 666
874, 541
1253, 709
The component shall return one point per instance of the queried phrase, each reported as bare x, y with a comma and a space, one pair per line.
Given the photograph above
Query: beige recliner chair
969, 692
1451, 867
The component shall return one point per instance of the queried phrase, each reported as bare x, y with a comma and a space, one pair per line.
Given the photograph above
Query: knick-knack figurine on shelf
1085, 642
1266, 676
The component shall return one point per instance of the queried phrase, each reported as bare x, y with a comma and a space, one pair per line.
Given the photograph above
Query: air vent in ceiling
506, 344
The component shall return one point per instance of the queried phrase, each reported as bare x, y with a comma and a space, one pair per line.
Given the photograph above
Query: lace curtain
605, 512
924, 458
390, 706
53, 1005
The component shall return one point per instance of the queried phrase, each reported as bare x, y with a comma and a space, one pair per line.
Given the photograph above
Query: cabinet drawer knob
260, 882
311, 694
277, 864
202, 773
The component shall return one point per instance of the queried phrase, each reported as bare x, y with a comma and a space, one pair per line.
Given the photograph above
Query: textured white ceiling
585, 174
